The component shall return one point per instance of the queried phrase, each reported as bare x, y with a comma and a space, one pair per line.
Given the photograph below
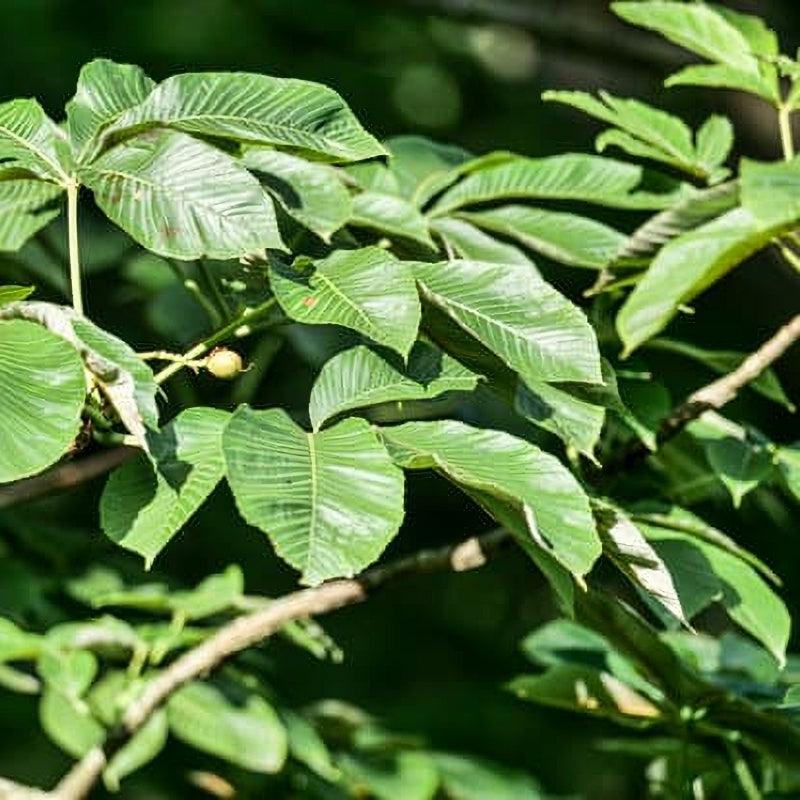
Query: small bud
224, 364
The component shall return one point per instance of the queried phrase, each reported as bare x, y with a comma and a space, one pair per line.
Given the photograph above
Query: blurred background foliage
429, 657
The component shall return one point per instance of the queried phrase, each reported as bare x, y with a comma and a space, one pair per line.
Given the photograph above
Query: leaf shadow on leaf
693, 575
288, 194
164, 449
535, 407
300, 271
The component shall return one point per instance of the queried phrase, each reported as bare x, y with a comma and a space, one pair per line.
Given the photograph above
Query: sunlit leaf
685, 267
367, 290
183, 198
105, 90
464, 240
41, 400
517, 315
311, 193
391, 216
31, 141
566, 238
591, 179
259, 109
361, 377
146, 502
330, 502
556, 508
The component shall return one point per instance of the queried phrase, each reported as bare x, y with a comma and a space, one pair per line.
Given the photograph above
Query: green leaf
146, 503
330, 501
519, 523
788, 461
311, 193
22, 209
248, 734
105, 90
307, 746
464, 240
405, 775
477, 779
767, 384
122, 377
17, 644
687, 266
685, 216
761, 41
563, 641
556, 507
212, 595
69, 723
31, 141
576, 421
769, 190
295, 114
360, 377
102, 588
16, 680
391, 216
667, 133
41, 401
566, 238
648, 132
760, 38
714, 143
367, 290
739, 458
183, 198
722, 76
103, 634
695, 26
631, 145
627, 547
12, 294
70, 673
591, 179
422, 167
683, 521
704, 573
589, 691
142, 748
512, 311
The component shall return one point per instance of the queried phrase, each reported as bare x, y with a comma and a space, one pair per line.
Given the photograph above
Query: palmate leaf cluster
442, 267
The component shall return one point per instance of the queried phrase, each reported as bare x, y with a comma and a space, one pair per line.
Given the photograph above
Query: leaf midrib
54, 165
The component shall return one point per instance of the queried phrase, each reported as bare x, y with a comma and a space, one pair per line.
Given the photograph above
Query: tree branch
716, 394
251, 629
65, 476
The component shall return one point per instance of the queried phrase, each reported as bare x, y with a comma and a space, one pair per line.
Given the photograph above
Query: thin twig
238, 328
714, 395
74, 253
68, 475
251, 629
